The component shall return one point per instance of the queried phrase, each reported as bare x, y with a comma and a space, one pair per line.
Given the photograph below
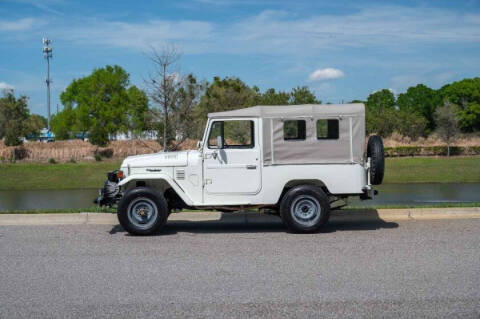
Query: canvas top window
327, 129
294, 130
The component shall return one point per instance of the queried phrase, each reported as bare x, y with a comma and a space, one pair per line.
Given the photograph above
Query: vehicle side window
327, 129
215, 130
294, 130
236, 134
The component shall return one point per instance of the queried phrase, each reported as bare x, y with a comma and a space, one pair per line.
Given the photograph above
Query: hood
163, 159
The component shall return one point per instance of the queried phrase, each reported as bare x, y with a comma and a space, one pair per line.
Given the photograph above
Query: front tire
142, 211
305, 209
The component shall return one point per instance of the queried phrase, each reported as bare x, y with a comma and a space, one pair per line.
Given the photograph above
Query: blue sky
342, 50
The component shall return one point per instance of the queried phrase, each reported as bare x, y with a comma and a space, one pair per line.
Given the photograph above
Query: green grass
31, 176
432, 170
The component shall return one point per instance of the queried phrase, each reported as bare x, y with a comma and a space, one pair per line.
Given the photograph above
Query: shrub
106, 152
430, 151
72, 160
52, 161
20, 153
97, 156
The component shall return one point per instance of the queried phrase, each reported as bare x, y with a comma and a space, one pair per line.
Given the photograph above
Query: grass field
23, 176
432, 170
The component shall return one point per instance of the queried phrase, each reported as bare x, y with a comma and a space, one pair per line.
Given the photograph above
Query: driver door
234, 167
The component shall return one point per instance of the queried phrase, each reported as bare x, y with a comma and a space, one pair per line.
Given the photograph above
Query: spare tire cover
377, 162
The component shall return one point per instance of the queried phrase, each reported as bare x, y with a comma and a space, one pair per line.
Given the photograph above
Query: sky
342, 50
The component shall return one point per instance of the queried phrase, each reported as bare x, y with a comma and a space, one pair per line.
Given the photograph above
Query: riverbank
85, 175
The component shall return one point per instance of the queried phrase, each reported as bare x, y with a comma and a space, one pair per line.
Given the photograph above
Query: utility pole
47, 53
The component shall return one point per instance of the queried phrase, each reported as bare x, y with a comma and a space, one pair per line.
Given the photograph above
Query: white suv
293, 160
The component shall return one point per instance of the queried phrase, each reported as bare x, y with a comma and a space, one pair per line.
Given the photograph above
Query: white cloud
6, 86
285, 33
326, 74
191, 35
17, 25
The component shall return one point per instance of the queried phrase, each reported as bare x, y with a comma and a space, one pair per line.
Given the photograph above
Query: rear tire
305, 209
142, 211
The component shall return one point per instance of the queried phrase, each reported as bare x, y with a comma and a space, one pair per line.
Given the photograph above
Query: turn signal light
120, 174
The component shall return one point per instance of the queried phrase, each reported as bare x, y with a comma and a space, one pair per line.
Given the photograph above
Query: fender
159, 176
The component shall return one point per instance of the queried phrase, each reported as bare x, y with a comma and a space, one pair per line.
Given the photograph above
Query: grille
180, 174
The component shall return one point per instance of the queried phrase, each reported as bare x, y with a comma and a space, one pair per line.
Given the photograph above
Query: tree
100, 105
421, 100
303, 95
381, 100
182, 115
447, 123
164, 85
13, 115
381, 113
271, 97
63, 123
469, 117
382, 122
223, 95
410, 124
466, 95
136, 121
35, 123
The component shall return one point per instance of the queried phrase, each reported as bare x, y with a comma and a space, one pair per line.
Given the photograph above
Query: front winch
110, 194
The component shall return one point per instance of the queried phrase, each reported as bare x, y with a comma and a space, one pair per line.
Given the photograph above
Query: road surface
222, 269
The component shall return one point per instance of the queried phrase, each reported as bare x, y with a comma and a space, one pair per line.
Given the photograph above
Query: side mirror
219, 141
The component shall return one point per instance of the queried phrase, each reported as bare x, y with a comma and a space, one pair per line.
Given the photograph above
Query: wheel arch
296, 182
162, 184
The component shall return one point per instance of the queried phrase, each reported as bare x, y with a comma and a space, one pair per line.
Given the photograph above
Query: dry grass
433, 140
77, 150
80, 151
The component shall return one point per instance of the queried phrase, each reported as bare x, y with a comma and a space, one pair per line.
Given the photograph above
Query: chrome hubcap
142, 212
306, 210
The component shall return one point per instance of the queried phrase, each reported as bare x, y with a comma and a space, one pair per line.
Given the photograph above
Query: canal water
389, 194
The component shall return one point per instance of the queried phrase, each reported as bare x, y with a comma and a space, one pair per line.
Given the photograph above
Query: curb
353, 215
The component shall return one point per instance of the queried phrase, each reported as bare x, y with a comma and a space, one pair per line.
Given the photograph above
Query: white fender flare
170, 181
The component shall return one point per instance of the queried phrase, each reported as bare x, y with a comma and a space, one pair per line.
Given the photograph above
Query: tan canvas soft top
294, 110
348, 148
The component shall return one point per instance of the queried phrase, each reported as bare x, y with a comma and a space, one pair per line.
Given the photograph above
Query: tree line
15, 119
105, 103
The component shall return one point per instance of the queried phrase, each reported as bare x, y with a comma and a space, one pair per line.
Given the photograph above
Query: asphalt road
407, 269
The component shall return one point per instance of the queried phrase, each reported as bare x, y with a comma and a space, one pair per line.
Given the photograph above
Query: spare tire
377, 159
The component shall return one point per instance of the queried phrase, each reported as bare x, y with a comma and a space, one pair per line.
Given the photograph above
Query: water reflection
389, 194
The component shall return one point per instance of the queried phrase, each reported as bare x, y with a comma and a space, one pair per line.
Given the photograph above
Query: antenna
47, 54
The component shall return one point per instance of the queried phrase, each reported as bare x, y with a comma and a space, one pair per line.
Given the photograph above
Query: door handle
251, 166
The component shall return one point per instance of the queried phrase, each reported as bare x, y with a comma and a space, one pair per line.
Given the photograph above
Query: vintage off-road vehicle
296, 161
